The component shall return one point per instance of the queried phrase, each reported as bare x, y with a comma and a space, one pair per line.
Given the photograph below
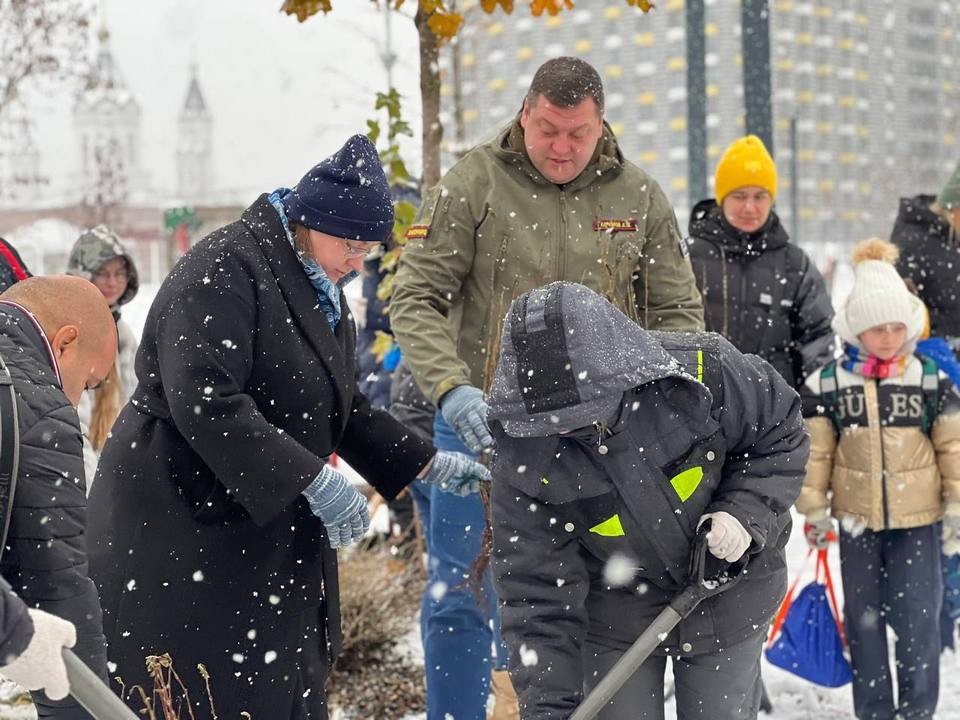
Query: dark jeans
891, 578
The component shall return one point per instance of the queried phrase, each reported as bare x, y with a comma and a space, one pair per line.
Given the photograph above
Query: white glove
40, 666
951, 529
727, 539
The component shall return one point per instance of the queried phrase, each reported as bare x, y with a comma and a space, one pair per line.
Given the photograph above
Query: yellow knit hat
745, 162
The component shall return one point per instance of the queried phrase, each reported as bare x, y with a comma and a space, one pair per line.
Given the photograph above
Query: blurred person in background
12, 268
100, 257
759, 291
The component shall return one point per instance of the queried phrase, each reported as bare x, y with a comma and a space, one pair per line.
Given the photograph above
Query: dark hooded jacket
761, 293
564, 506
12, 268
930, 257
45, 558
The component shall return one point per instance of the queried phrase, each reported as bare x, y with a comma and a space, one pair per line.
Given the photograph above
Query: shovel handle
91, 692
707, 577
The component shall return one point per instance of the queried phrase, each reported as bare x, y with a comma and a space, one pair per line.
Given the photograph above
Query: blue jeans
458, 634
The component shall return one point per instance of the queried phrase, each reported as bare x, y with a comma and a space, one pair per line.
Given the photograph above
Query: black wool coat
761, 292
930, 256
45, 558
200, 540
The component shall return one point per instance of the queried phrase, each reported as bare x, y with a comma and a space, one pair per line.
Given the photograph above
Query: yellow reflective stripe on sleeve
687, 481
700, 366
610, 527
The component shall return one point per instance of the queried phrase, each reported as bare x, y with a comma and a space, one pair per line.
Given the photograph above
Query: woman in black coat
214, 519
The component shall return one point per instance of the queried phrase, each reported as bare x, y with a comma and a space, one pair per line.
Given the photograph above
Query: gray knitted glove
340, 506
456, 473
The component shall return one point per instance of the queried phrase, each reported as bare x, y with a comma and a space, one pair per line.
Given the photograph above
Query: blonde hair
947, 216
106, 407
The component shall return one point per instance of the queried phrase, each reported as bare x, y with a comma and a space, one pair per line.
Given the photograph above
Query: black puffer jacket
565, 505
45, 560
930, 256
761, 293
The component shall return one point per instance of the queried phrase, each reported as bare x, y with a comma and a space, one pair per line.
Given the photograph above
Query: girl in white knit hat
885, 462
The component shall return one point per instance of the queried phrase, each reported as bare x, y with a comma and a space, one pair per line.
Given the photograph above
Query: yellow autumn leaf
553, 7
429, 7
490, 6
381, 345
385, 288
304, 9
445, 25
644, 5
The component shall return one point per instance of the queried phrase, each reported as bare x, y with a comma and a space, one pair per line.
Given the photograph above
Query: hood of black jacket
708, 223
567, 355
916, 216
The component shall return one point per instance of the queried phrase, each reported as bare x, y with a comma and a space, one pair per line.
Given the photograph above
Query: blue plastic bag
809, 643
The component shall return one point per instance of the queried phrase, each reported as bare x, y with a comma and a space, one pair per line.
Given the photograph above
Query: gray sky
282, 94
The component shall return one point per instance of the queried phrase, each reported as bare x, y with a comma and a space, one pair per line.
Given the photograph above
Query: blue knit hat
346, 195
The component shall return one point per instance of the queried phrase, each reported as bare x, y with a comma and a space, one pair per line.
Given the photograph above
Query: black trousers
722, 685
891, 578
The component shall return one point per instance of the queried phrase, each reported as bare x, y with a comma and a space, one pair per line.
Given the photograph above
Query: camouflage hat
95, 247
949, 197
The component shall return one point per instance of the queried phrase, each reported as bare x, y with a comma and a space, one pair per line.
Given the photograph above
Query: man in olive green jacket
550, 198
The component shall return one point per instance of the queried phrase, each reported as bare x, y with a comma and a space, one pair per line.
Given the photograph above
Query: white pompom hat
879, 295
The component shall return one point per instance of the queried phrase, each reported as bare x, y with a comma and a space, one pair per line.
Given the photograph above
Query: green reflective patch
699, 372
544, 480
687, 481
610, 527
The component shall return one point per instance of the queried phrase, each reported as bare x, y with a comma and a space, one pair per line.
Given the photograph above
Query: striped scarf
869, 366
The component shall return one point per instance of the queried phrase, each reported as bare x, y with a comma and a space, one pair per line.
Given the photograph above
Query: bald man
58, 338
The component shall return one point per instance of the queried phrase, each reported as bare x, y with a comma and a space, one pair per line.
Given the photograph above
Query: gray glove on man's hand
465, 410
40, 666
456, 473
340, 506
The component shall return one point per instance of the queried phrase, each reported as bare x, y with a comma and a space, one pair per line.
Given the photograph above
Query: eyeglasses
351, 250
107, 274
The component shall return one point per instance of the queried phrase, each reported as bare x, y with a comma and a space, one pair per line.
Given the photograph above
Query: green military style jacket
494, 228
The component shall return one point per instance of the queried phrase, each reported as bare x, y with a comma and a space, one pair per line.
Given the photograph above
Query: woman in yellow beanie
759, 291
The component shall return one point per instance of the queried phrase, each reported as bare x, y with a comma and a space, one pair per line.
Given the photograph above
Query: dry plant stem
202, 669
156, 665
478, 567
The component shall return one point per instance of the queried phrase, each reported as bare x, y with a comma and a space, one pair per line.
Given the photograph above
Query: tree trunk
430, 101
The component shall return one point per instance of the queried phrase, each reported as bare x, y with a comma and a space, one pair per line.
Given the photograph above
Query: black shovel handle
708, 576
91, 692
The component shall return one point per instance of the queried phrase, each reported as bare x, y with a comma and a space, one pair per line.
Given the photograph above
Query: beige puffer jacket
882, 471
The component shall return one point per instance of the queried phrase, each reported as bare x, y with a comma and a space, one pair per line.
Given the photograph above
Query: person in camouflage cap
99, 256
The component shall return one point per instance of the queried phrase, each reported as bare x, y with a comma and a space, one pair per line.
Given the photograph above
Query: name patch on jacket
417, 232
613, 225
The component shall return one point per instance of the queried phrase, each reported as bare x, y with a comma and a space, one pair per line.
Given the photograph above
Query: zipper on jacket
562, 238
741, 329
883, 461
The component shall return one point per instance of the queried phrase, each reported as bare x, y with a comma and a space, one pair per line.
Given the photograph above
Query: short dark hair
565, 82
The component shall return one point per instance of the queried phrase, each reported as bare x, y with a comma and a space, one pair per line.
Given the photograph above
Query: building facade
869, 85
